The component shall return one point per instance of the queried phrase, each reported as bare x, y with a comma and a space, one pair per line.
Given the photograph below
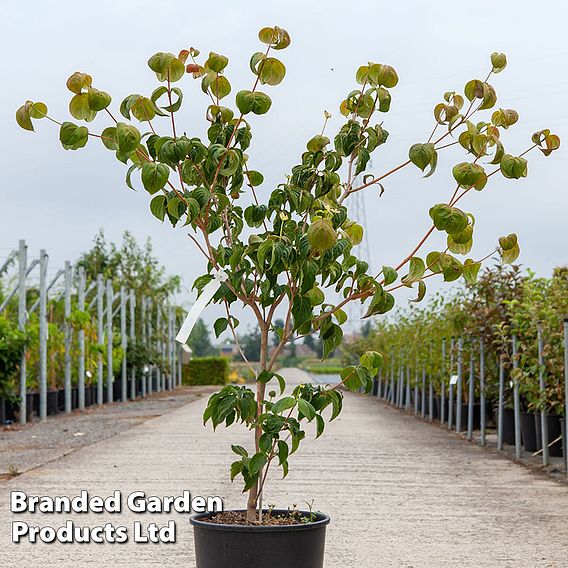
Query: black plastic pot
250, 546
508, 424
528, 431
2, 412
465, 414
564, 437
554, 432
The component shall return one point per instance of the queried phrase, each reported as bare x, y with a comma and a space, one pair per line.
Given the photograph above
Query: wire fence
115, 343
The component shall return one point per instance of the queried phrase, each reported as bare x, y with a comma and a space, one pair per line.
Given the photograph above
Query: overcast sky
58, 199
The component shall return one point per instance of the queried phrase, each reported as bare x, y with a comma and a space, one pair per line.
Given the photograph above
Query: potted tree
291, 250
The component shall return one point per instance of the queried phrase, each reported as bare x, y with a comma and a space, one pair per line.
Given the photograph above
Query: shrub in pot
298, 254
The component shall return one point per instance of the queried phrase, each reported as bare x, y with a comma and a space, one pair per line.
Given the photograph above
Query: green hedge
206, 371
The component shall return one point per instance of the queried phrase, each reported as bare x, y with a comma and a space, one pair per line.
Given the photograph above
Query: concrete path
401, 493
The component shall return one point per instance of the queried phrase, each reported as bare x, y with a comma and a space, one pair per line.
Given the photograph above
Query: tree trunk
260, 390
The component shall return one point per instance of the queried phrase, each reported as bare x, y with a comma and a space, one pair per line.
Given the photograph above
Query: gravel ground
400, 493
25, 447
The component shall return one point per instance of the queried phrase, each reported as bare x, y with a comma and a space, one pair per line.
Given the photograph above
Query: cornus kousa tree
292, 248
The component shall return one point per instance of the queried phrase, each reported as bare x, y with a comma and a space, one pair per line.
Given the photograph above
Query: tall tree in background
199, 340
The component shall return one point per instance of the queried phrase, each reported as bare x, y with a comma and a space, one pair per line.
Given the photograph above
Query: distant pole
81, 306
100, 336
423, 393
145, 376
542, 385
430, 388
150, 376
416, 388
132, 300
451, 398
22, 320
443, 393
459, 393
482, 409
158, 331
516, 400
566, 387
110, 374
407, 401
471, 394
43, 260
500, 414
68, 336
124, 345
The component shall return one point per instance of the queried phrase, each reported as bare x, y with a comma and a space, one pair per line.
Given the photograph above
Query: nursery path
401, 493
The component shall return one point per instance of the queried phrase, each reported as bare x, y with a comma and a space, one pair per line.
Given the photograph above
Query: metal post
81, 335
110, 374
124, 345
430, 387
132, 300
22, 271
416, 389
482, 409
179, 362
516, 399
501, 401
68, 336
459, 393
471, 394
171, 353
43, 260
407, 401
392, 374
149, 339
451, 397
541, 382
566, 387
100, 335
158, 349
145, 375
443, 393
423, 393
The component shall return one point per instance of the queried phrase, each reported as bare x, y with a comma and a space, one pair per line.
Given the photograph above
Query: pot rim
195, 520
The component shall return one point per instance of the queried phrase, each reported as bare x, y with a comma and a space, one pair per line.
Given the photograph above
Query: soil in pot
281, 545
528, 431
554, 432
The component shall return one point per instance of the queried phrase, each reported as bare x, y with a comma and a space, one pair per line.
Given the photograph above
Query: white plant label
454, 380
207, 294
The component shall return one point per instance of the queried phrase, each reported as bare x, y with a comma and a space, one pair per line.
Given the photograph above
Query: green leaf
470, 175
283, 404
216, 62
236, 468
108, 138
510, 249
513, 167
239, 450
317, 143
283, 451
154, 176
498, 61
166, 65
350, 378
98, 100
271, 71
73, 137
128, 137
354, 233
79, 108
276, 37
449, 219
451, 267
257, 462
255, 178
372, 361
306, 409
471, 270
79, 81
416, 269
257, 103
389, 274
220, 326
421, 292
424, 155
158, 207
128, 174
